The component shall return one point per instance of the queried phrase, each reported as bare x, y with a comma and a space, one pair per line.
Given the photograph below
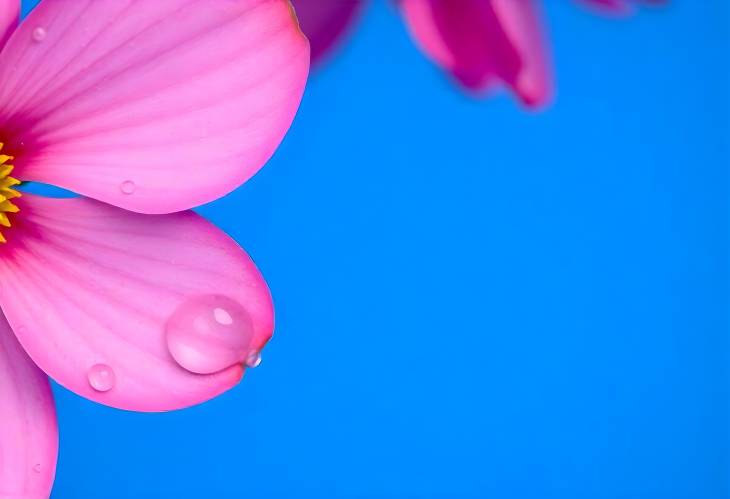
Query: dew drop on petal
39, 34
209, 333
253, 359
127, 187
37, 468
101, 377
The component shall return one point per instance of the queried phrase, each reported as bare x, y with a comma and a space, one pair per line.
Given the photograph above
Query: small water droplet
128, 187
253, 359
39, 34
101, 377
37, 468
209, 333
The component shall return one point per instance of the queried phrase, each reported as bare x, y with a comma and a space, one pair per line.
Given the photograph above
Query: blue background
472, 300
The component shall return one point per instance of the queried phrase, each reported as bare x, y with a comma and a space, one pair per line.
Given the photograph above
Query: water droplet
39, 34
253, 359
209, 333
128, 187
101, 377
37, 468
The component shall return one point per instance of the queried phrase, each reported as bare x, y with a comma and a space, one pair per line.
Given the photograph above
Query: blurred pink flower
482, 44
620, 7
485, 43
326, 23
150, 108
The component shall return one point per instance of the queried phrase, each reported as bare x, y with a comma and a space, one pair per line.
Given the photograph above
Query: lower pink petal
485, 42
326, 22
28, 429
89, 290
181, 99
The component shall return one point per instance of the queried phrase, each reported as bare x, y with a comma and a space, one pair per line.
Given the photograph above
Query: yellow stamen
6, 191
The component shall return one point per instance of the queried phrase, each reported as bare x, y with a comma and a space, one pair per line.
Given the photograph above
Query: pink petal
617, 7
85, 284
326, 22
9, 15
28, 429
183, 99
485, 42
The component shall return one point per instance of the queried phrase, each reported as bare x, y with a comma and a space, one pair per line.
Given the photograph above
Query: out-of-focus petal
183, 100
86, 284
485, 42
9, 15
28, 429
613, 6
618, 7
326, 22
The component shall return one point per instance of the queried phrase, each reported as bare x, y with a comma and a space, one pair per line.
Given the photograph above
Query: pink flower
148, 108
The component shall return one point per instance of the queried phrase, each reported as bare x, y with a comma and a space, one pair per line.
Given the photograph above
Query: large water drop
209, 333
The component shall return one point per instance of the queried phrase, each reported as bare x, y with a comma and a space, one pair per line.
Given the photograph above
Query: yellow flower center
7, 193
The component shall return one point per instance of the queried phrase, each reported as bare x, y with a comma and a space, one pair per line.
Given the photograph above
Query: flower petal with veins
185, 99
85, 285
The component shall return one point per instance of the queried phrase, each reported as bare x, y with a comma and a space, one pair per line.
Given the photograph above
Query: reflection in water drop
222, 316
127, 187
101, 377
209, 333
253, 359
